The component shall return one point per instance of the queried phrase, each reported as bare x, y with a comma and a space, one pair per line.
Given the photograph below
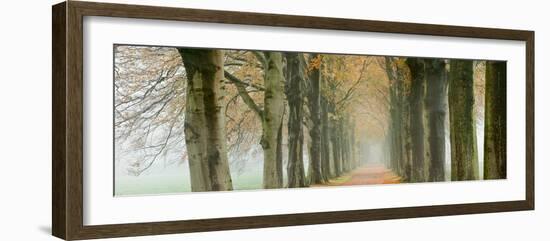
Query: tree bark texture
327, 164
295, 97
272, 118
314, 105
436, 111
204, 124
494, 165
464, 163
418, 80
397, 111
335, 137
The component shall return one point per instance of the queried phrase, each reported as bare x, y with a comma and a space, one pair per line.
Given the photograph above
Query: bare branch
241, 88
234, 80
162, 145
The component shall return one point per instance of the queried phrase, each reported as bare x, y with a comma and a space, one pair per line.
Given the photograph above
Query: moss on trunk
418, 82
204, 120
464, 163
295, 94
436, 112
272, 118
495, 121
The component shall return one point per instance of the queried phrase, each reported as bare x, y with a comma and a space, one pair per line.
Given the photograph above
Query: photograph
274, 120
190, 119
177, 120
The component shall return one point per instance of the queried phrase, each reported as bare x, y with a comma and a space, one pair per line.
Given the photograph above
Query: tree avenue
243, 119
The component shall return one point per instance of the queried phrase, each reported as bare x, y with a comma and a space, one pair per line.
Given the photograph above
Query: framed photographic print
170, 120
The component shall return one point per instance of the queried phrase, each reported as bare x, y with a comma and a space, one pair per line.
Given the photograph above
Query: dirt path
368, 174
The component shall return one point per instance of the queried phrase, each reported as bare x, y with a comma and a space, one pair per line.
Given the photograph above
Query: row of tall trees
311, 116
422, 93
296, 87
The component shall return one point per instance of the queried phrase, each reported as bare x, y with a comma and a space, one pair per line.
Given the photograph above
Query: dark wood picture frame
67, 123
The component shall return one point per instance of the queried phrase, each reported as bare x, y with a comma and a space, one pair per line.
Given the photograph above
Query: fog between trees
301, 119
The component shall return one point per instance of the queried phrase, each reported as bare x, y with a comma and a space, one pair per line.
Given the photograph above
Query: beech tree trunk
327, 166
295, 95
272, 118
346, 144
195, 135
336, 147
406, 136
204, 125
464, 163
418, 80
396, 127
279, 164
343, 145
353, 144
494, 165
395, 136
436, 111
314, 105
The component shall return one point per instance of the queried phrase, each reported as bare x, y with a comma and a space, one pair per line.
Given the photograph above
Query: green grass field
170, 184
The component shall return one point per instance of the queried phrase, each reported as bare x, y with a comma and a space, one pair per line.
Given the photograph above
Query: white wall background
25, 120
